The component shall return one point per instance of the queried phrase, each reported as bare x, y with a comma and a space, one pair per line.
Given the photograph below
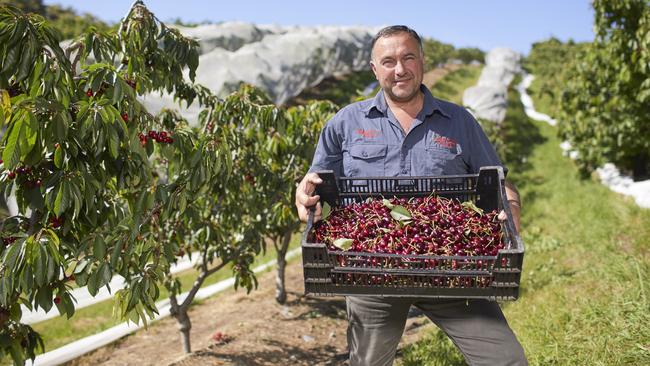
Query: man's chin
403, 95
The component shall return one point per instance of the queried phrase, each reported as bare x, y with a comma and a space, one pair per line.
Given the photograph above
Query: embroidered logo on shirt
368, 133
446, 143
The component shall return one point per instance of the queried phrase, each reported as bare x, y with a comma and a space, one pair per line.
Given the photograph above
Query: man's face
398, 66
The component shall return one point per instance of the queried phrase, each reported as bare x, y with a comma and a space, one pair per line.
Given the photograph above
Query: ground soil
257, 331
431, 77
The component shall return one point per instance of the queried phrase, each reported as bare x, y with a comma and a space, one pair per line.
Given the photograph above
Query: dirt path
431, 77
305, 331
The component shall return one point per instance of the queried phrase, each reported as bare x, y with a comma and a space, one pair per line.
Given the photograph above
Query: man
405, 131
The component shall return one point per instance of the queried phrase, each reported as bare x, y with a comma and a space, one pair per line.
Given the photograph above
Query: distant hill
66, 20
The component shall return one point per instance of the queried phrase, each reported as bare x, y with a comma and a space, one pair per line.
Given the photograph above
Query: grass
60, 331
543, 102
452, 86
584, 293
340, 90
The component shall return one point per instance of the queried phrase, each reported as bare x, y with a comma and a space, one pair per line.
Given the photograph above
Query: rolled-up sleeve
329, 153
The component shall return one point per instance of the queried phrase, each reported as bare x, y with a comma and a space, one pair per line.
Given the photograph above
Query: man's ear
373, 68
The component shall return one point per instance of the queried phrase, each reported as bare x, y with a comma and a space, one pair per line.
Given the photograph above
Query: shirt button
365, 154
404, 171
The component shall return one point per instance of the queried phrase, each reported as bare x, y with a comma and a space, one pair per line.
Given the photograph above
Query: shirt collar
429, 106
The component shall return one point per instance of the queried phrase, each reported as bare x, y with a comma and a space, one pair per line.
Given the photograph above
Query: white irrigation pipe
608, 173
527, 101
80, 347
84, 298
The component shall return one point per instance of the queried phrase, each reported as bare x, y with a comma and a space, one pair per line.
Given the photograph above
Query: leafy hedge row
602, 88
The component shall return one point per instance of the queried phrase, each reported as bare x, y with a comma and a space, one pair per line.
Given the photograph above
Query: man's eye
388, 63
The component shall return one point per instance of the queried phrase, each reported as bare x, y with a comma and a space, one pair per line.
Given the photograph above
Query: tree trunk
179, 311
280, 290
184, 326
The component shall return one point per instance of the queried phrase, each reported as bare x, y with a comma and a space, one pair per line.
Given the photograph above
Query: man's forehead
402, 43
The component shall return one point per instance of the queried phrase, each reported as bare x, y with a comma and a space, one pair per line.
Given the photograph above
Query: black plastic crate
329, 272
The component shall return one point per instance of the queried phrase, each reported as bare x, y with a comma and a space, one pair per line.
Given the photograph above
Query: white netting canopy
488, 99
228, 35
280, 64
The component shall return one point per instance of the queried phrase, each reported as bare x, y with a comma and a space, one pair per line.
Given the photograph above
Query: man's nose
399, 68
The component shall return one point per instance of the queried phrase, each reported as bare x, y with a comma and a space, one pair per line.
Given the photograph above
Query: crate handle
328, 190
402, 184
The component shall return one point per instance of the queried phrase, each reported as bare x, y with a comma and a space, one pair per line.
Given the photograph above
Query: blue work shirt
364, 139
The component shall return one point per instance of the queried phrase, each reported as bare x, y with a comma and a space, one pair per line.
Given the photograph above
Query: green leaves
326, 210
398, 212
99, 278
599, 91
343, 243
62, 201
11, 152
107, 196
387, 203
58, 156
65, 304
20, 138
472, 206
99, 248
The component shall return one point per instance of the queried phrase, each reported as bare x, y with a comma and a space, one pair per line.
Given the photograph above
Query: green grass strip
452, 85
584, 292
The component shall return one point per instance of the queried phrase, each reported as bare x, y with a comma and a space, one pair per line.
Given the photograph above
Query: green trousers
477, 327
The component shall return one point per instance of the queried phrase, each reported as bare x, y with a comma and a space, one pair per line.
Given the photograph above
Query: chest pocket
449, 163
434, 161
365, 160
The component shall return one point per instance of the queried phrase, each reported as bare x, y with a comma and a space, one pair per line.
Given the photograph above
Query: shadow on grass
443, 89
434, 350
446, 87
519, 136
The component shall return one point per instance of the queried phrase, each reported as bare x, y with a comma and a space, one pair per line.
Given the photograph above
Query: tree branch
174, 303
76, 46
215, 269
195, 288
205, 273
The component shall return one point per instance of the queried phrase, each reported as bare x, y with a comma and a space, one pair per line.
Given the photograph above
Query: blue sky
463, 23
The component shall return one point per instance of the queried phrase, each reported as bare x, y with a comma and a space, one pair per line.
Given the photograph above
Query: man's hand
304, 198
515, 205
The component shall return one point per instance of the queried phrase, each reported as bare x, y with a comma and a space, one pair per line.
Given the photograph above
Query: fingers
309, 183
303, 211
515, 218
307, 187
502, 215
304, 198
303, 205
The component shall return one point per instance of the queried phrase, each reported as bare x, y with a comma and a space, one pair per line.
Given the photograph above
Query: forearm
514, 201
